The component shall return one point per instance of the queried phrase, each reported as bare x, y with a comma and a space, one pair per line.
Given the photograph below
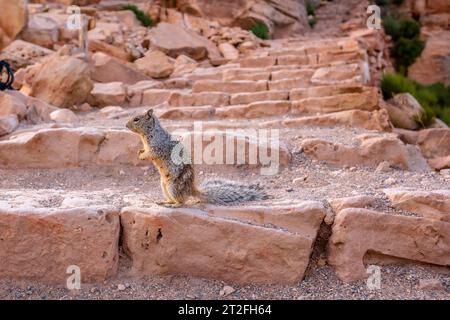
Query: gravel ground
398, 281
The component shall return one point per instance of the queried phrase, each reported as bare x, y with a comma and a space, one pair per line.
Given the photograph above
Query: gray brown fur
178, 180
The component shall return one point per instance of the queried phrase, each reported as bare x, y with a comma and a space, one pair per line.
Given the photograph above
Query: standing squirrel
178, 180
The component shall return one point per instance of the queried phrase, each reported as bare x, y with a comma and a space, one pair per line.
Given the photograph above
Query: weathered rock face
433, 65
158, 242
8, 124
371, 150
41, 30
175, 40
434, 143
108, 94
156, 64
82, 146
283, 17
13, 18
63, 81
21, 54
357, 232
429, 204
110, 69
57, 239
404, 110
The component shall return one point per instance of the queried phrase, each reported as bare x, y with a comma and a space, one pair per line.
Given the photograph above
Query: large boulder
110, 69
156, 64
282, 17
21, 54
175, 40
13, 18
63, 81
404, 111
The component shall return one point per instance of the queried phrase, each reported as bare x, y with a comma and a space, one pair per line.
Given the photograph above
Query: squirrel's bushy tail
225, 192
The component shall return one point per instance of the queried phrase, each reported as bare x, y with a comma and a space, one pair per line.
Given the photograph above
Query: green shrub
145, 19
310, 8
401, 28
405, 53
260, 30
434, 98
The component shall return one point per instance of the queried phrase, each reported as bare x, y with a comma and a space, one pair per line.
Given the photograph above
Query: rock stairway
338, 152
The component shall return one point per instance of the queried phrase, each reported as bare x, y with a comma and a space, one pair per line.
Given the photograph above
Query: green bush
401, 28
405, 52
434, 98
260, 30
310, 8
145, 19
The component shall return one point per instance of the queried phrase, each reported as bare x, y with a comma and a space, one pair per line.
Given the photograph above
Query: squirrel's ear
150, 113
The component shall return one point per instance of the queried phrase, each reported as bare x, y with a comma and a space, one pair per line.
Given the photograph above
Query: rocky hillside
357, 180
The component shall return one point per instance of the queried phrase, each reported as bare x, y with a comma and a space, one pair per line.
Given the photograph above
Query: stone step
243, 245
369, 150
44, 244
229, 86
358, 233
110, 147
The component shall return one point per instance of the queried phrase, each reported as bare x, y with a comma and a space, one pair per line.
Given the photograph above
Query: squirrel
178, 182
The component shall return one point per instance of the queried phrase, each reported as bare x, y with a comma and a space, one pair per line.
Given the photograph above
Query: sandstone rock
8, 124
283, 18
12, 104
404, 111
82, 146
215, 99
260, 62
108, 94
109, 69
229, 86
362, 101
428, 204
63, 116
13, 18
254, 110
288, 84
371, 151
183, 65
41, 30
154, 97
238, 148
440, 163
357, 232
245, 74
246, 98
327, 91
351, 202
21, 54
375, 120
111, 112
135, 91
292, 74
175, 40
228, 51
110, 50
252, 253
434, 142
203, 112
433, 64
57, 239
62, 81
349, 73
156, 65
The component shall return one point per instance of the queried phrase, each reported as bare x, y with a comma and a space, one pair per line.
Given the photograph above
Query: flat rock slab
242, 245
41, 243
358, 231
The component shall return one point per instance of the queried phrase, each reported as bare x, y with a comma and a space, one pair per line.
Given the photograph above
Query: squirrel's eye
136, 119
